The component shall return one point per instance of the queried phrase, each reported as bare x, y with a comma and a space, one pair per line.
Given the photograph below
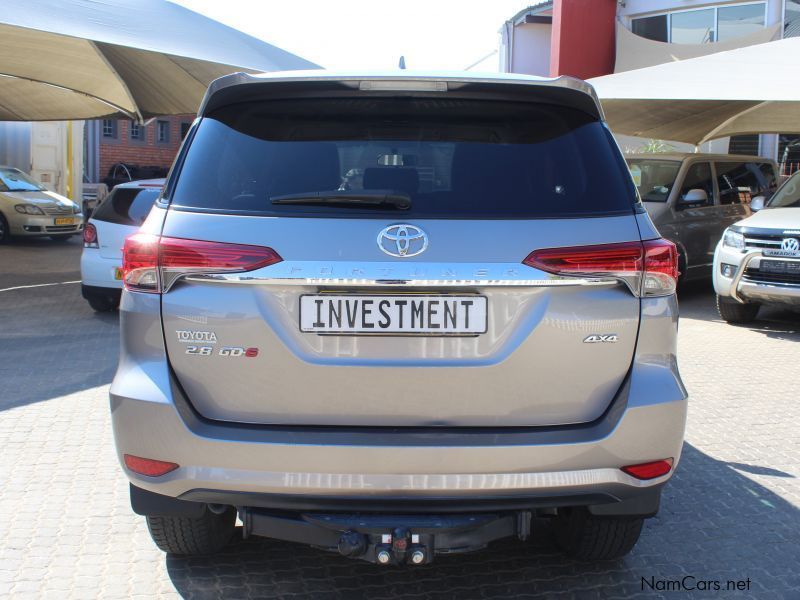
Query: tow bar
389, 539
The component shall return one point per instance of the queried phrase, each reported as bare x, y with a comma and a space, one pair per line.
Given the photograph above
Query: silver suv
399, 315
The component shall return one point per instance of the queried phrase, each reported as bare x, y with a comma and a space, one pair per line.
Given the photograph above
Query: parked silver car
28, 209
692, 198
477, 329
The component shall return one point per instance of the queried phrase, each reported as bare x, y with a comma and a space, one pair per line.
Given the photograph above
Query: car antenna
402, 63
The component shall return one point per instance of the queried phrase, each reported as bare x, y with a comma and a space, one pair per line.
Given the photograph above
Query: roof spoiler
244, 87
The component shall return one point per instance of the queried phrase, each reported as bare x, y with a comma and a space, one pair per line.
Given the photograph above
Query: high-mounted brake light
648, 268
149, 466
153, 264
649, 470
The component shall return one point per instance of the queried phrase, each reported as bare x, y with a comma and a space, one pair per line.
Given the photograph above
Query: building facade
589, 38
154, 143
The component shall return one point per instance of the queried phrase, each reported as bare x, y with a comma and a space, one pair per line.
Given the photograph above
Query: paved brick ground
66, 530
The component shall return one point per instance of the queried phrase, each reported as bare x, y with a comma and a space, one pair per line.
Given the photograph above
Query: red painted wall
583, 44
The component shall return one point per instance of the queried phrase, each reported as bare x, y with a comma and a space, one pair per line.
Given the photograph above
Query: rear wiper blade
372, 198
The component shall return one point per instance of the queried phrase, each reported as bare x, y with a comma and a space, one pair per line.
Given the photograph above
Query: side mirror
757, 203
695, 196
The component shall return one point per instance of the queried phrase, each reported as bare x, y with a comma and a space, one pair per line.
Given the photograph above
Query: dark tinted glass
748, 144
454, 158
769, 176
652, 28
126, 206
739, 182
698, 177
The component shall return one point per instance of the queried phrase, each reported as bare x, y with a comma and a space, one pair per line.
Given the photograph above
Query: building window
162, 132
136, 130
652, 28
744, 144
109, 128
791, 19
736, 21
692, 27
185, 129
701, 26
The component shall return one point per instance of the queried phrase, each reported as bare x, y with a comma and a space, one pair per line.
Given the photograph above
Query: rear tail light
148, 466
140, 263
153, 264
649, 470
648, 268
90, 236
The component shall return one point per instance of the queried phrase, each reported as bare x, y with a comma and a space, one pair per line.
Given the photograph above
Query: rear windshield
452, 158
127, 206
654, 178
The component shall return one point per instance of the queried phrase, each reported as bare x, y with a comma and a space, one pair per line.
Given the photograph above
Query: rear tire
193, 536
585, 537
735, 312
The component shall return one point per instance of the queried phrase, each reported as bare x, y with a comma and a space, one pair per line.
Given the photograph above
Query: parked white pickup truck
757, 261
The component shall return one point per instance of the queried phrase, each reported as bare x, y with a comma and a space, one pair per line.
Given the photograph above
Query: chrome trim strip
751, 242
437, 483
392, 274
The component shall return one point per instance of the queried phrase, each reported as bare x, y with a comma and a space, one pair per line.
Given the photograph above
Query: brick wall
147, 152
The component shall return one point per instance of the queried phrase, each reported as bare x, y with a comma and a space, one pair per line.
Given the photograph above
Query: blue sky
371, 34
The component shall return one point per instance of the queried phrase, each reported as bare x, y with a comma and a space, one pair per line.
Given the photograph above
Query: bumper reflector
148, 466
649, 470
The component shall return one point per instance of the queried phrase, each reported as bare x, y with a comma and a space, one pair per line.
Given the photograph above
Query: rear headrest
391, 178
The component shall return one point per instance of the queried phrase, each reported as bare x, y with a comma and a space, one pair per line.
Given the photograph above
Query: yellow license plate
65, 221
117, 273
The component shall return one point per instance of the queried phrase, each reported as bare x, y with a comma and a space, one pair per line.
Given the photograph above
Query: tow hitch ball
398, 547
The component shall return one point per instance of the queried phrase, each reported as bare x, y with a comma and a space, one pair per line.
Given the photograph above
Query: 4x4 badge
608, 338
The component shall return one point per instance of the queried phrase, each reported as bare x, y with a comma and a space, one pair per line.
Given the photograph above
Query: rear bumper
97, 271
220, 462
253, 464
192, 503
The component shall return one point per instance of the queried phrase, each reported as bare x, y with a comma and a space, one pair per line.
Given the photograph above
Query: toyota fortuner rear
365, 302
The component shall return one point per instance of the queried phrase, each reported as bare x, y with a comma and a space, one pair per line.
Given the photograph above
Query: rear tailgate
488, 183
531, 367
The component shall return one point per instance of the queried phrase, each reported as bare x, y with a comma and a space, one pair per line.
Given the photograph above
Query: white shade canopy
80, 59
748, 90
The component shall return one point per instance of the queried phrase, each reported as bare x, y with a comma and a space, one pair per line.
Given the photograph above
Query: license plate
65, 221
393, 314
780, 253
780, 267
117, 273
